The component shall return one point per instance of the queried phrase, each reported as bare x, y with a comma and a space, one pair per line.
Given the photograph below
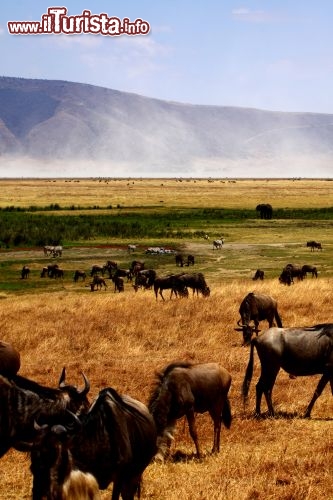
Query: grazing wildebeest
190, 260
52, 466
172, 283
289, 272
51, 270
183, 389
217, 244
144, 279
10, 361
25, 272
79, 274
114, 441
97, 269
299, 351
257, 307
98, 281
23, 401
179, 260
313, 245
58, 273
258, 275
196, 281
309, 269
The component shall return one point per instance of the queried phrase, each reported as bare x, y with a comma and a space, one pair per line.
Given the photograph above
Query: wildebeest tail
248, 374
226, 414
278, 319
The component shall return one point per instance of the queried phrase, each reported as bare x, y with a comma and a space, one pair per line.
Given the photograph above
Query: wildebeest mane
31, 385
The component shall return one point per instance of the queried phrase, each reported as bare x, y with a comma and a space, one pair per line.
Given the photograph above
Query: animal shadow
181, 457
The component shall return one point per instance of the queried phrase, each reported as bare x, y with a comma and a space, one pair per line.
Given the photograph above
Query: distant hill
61, 128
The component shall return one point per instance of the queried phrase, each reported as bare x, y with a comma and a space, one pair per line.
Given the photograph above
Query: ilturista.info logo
56, 21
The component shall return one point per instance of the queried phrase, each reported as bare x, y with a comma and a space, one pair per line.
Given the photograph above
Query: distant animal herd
78, 448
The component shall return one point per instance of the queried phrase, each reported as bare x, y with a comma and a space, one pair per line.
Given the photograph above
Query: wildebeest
98, 282
25, 272
258, 275
172, 283
179, 260
58, 273
97, 269
183, 389
257, 307
79, 274
196, 281
289, 272
190, 260
115, 441
110, 266
299, 351
118, 283
217, 244
49, 270
10, 360
313, 245
309, 269
52, 466
136, 266
23, 401
144, 279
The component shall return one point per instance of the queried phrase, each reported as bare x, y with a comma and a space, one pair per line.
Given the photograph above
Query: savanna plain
120, 340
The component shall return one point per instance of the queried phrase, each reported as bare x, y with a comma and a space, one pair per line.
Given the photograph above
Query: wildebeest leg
128, 488
265, 386
320, 387
161, 294
193, 431
217, 431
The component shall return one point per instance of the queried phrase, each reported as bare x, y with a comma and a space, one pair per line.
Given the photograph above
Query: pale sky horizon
275, 55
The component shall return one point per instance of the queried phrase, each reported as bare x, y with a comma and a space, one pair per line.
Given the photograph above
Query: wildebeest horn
62, 378
239, 329
238, 322
86, 388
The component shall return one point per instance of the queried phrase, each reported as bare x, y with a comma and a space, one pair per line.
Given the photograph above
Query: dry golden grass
245, 193
119, 340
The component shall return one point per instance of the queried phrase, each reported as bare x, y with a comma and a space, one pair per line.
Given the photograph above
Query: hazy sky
268, 54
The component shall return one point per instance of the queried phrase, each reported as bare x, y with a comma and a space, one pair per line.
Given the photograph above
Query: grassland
120, 340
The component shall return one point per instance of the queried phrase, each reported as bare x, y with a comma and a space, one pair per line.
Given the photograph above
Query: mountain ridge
55, 121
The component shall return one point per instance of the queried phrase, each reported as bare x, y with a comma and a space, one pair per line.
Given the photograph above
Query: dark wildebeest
190, 260
10, 361
286, 277
110, 266
256, 307
258, 275
115, 441
25, 272
299, 351
58, 273
172, 283
313, 245
289, 272
136, 266
217, 244
53, 465
196, 281
179, 260
96, 269
144, 279
183, 389
79, 274
309, 269
23, 401
118, 283
98, 281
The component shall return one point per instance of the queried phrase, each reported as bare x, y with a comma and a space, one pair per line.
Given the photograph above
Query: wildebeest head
77, 397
